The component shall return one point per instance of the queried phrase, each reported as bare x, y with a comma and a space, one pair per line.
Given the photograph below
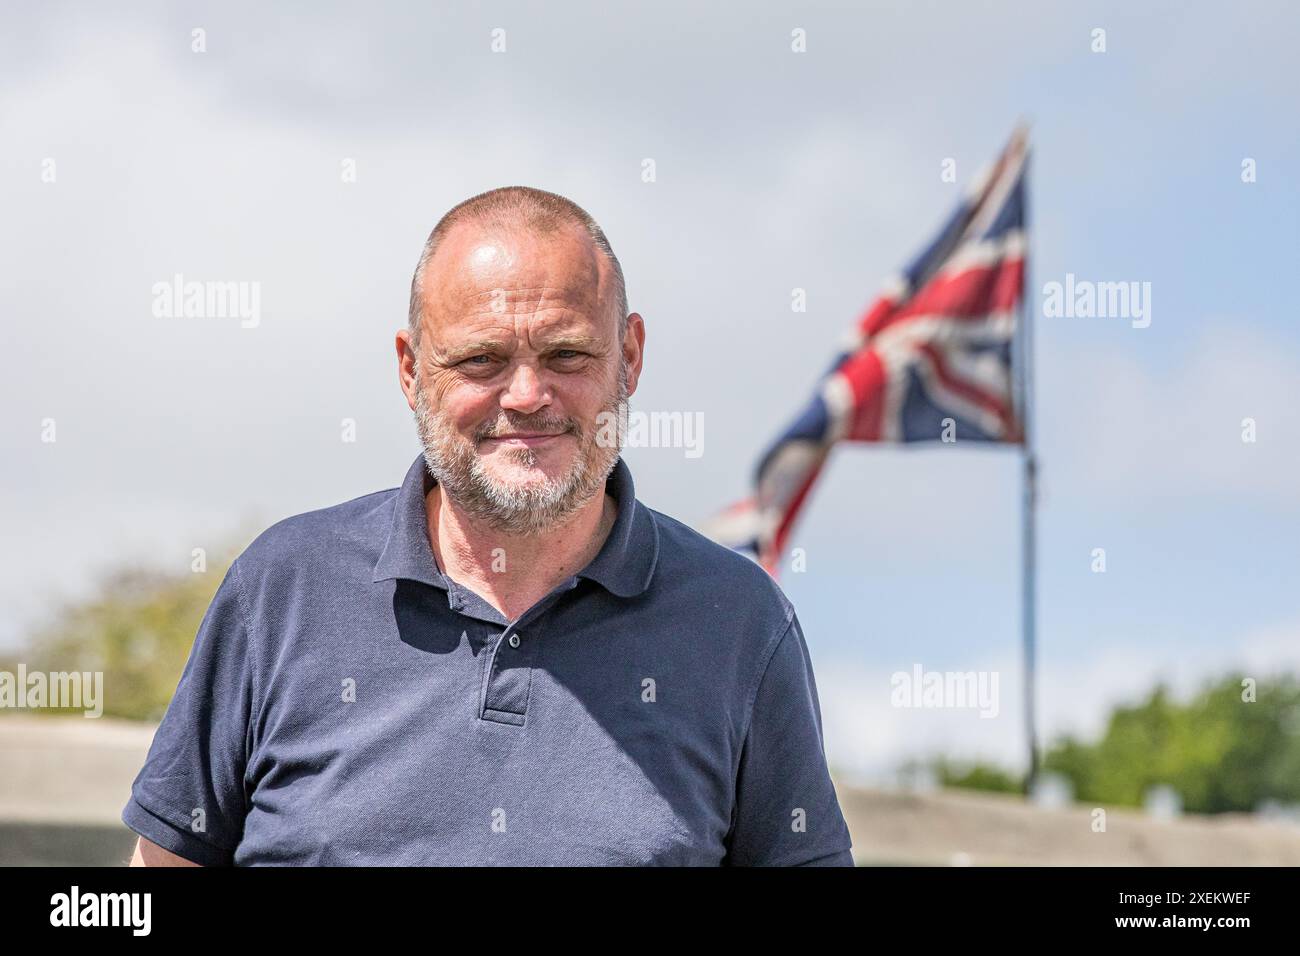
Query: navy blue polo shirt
345, 702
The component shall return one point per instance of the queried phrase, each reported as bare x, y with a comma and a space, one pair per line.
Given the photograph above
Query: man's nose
525, 393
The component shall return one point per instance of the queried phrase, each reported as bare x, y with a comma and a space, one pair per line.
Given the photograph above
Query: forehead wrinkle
469, 293
549, 329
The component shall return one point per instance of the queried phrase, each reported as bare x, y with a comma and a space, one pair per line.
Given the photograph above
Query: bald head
512, 210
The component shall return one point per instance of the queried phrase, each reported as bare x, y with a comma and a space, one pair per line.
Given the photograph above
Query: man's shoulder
322, 535
687, 557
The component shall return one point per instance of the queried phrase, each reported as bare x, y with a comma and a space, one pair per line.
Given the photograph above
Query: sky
775, 170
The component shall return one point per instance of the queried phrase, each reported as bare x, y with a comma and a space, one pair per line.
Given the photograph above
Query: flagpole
1029, 510
1028, 611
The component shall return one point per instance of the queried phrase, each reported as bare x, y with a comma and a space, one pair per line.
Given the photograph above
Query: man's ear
406, 359
634, 349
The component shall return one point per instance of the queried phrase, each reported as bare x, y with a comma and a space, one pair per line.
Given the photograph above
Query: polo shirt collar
623, 567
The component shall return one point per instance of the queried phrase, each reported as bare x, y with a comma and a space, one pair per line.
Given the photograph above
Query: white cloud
1118, 422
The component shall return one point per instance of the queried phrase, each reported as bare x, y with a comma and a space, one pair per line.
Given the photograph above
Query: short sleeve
189, 797
786, 811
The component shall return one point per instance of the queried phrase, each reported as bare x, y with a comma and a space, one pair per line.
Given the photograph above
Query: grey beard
454, 463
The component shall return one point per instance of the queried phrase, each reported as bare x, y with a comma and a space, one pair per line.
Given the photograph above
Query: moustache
549, 425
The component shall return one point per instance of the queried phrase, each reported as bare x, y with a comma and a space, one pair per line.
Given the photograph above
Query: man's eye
567, 353
474, 360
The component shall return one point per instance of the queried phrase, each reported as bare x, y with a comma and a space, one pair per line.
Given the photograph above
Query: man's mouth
525, 439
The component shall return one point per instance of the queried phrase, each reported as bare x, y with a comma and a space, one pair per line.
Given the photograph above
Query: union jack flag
932, 358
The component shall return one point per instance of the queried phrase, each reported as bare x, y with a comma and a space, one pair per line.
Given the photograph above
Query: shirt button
514, 640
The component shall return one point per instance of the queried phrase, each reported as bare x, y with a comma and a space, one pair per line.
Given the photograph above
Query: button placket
509, 679
510, 671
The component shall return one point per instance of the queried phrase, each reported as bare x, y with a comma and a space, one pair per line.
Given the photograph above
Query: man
508, 659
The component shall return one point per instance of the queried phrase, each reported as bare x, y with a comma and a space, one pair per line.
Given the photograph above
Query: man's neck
514, 572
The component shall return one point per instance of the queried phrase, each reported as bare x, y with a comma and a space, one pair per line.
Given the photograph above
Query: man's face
519, 357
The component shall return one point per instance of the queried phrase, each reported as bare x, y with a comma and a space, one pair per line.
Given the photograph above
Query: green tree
137, 630
975, 776
1220, 752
